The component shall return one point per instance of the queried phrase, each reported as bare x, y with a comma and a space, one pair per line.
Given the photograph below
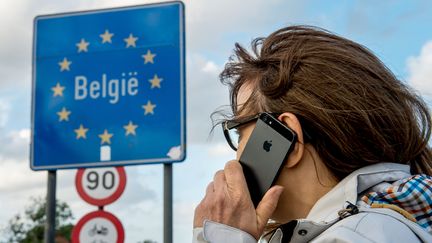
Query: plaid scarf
412, 197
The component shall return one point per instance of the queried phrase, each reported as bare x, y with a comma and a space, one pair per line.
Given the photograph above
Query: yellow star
130, 41
148, 57
58, 90
106, 37
82, 46
149, 107
64, 65
105, 137
130, 128
64, 114
81, 132
155, 81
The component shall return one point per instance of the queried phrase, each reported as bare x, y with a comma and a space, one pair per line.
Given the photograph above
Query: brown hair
356, 111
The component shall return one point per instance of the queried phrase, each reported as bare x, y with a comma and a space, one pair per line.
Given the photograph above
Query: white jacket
323, 223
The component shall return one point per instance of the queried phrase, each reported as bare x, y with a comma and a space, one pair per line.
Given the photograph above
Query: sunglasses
230, 128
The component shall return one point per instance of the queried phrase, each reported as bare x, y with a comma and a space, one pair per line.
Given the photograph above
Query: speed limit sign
100, 186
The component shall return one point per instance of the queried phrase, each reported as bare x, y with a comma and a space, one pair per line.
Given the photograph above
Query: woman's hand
227, 201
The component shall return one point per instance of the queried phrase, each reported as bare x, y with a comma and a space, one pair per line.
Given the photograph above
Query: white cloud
24, 134
183, 220
211, 67
19, 177
18, 185
14, 145
221, 149
420, 71
204, 95
212, 23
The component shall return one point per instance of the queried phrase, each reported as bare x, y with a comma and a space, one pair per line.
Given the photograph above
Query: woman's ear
290, 120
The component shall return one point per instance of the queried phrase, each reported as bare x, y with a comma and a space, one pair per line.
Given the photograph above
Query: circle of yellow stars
83, 47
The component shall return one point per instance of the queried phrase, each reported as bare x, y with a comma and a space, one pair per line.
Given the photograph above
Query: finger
201, 211
267, 205
210, 188
219, 180
198, 216
234, 175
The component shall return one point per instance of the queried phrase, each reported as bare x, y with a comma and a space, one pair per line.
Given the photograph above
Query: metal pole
168, 207
50, 207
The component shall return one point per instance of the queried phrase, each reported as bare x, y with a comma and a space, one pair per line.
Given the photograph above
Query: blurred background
398, 32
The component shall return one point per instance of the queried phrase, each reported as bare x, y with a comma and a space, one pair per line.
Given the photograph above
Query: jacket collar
326, 208
325, 211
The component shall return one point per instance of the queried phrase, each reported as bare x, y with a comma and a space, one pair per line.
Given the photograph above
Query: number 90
107, 179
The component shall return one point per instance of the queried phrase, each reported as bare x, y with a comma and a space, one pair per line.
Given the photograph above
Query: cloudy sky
398, 32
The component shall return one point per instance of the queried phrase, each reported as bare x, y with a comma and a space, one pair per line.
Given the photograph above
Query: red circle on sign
98, 214
101, 201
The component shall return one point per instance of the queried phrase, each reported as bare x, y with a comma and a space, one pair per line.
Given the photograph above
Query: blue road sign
109, 87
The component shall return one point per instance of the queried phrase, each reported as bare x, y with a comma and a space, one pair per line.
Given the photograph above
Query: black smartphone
265, 153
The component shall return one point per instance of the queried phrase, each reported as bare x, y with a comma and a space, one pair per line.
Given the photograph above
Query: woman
359, 171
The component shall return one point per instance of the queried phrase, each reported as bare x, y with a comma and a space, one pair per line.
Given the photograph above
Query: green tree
30, 226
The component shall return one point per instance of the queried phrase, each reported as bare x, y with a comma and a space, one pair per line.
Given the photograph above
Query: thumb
267, 205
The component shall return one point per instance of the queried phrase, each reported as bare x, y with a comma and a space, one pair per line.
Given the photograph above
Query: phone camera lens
270, 122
